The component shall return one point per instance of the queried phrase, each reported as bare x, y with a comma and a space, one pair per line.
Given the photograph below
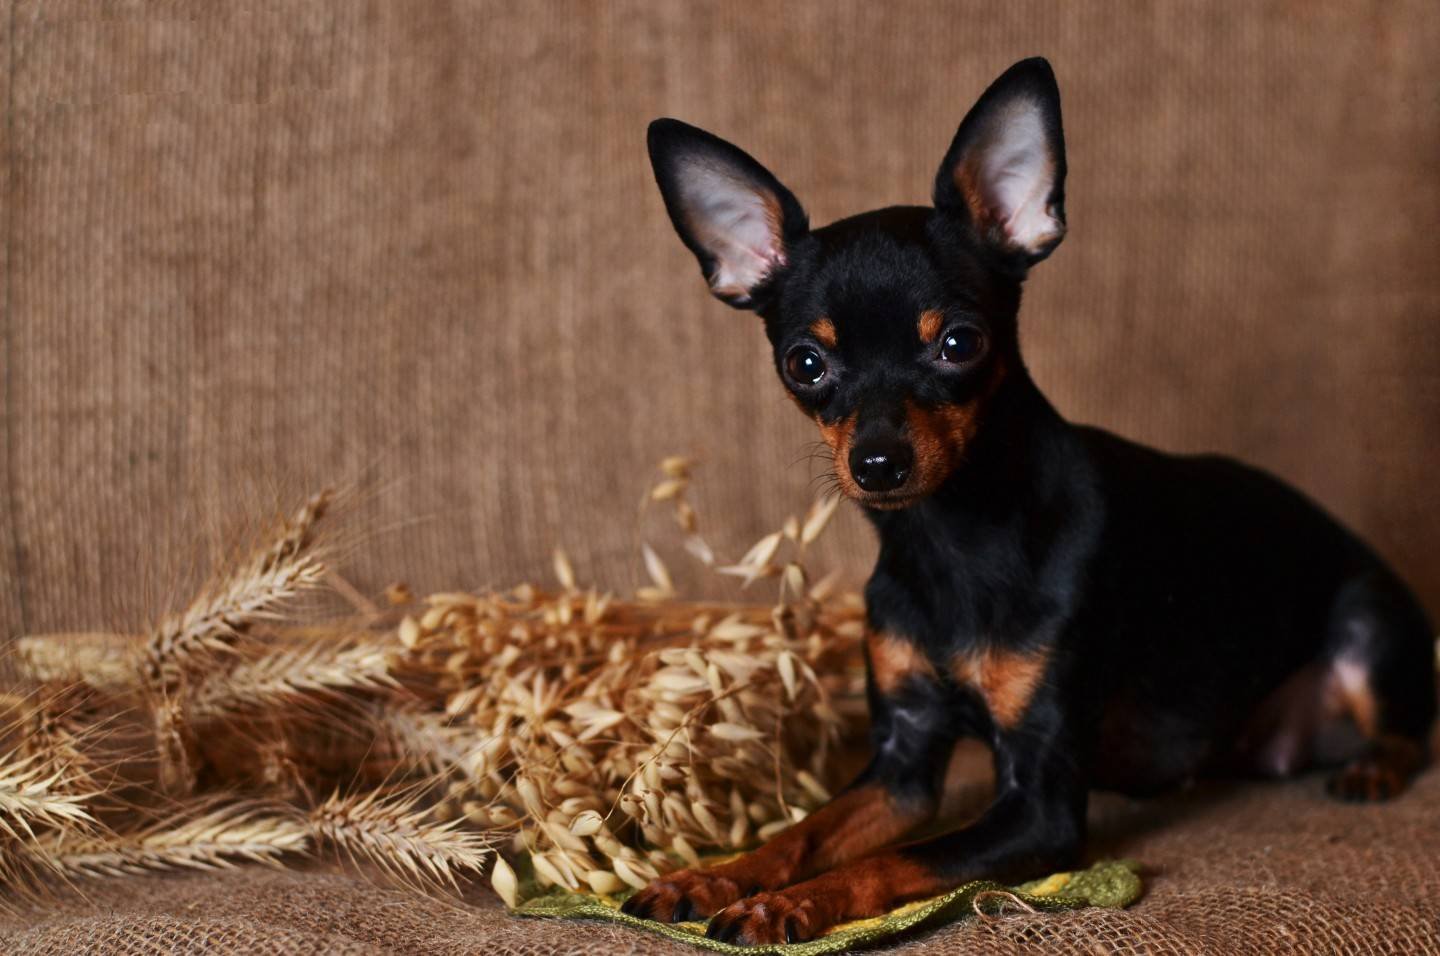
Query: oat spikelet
401, 838
314, 673
246, 832
255, 592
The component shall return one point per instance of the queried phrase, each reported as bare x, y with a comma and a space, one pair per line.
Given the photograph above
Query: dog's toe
1366, 781
764, 919
682, 896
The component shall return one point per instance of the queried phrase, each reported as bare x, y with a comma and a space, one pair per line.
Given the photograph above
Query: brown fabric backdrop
253, 248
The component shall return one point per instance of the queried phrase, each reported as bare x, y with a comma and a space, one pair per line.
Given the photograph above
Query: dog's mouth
888, 500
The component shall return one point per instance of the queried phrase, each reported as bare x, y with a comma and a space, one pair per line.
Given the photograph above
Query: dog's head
894, 328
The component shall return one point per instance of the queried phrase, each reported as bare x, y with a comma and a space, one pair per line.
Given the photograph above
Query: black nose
881, 466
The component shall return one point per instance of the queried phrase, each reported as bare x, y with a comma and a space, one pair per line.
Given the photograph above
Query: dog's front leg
912, 735
1035, 825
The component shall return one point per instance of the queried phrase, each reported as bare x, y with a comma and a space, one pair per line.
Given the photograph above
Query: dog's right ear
730, 211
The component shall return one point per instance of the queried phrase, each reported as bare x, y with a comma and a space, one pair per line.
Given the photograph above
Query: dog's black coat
1171, 600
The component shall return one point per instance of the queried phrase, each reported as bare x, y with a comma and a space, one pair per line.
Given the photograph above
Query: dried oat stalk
613, 739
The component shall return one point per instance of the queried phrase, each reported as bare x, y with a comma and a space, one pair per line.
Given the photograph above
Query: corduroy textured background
270, 246
262, 245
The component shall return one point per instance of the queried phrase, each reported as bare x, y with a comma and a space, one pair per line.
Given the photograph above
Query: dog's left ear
1004, 175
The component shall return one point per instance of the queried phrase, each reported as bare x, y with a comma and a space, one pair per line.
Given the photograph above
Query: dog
1102, 615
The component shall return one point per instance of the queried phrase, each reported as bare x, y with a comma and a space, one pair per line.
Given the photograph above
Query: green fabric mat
1110, 883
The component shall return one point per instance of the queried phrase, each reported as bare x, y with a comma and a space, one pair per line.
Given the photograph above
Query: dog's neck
970, 558
1009, 467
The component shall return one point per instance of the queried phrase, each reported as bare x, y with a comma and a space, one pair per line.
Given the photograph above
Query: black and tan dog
1101, 614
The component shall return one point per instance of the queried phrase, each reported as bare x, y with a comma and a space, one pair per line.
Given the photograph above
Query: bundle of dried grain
608, 739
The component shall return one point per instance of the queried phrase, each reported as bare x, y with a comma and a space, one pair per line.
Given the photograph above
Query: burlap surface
1232, 870
251, 247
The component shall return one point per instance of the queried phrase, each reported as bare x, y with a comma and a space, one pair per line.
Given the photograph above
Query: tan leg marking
865, 888
1351, 685
1391, 761
855, 823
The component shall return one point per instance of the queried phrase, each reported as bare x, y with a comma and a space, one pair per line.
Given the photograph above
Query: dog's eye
805, 365
961, 345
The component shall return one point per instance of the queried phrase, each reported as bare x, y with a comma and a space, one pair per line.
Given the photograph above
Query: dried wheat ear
605, 738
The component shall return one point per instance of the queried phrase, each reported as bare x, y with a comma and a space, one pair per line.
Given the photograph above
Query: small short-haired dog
1101, 614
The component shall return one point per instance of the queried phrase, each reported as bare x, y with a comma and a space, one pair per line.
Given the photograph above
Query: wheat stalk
72, 730
104, 661
227, 607
34, 793
429, 740
245, 832
395, 834
314, 673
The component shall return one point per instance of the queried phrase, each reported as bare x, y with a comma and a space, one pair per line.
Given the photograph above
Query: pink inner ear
737, 223
1008, 176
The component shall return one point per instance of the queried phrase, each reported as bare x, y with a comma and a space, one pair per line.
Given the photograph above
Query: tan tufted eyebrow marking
931, 320
824, 331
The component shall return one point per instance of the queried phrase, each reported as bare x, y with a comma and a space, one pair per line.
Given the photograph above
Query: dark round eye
962, 344
805, 365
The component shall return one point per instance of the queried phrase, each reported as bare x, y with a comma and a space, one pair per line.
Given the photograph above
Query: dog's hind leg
1382, 674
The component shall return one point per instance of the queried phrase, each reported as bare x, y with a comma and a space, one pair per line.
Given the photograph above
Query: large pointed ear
729, 210
1005, 171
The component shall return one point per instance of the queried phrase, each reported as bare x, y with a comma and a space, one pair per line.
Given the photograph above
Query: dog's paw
781, 917
684, 895
1367, 780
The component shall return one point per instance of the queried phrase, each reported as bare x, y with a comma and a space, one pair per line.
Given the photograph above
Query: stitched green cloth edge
1110, 883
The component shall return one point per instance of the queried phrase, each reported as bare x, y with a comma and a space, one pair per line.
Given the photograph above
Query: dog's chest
1005, 680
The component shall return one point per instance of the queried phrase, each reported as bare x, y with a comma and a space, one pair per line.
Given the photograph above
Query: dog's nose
881, 466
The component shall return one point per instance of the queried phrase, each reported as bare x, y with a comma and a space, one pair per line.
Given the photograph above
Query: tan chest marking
893, 659
1005, 680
